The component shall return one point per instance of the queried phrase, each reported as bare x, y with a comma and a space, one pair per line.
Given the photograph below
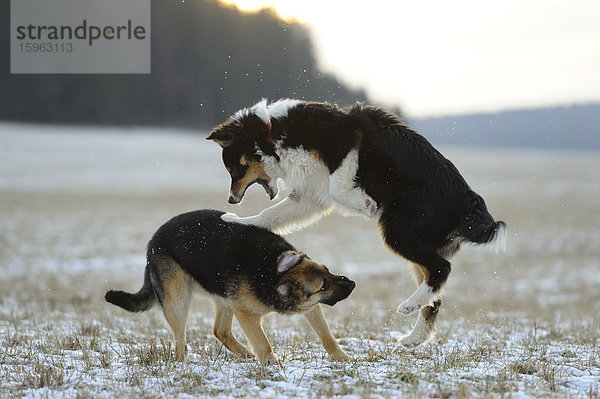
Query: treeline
575, 127
208, 60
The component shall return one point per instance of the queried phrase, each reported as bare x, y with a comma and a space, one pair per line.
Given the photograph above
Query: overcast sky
462, 56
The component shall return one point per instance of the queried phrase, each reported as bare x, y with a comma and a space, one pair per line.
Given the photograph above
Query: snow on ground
77, 206
42, 158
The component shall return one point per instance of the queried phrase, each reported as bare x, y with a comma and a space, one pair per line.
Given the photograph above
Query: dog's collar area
269, 137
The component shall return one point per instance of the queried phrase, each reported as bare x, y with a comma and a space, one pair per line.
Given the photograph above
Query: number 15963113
46, 47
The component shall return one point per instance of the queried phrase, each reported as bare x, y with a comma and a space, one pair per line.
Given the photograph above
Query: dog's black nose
232, 200
346, 281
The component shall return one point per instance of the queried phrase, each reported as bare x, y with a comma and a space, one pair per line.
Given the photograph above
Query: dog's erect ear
288, 260
222, 137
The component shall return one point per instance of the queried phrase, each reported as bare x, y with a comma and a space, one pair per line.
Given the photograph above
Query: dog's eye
325, 286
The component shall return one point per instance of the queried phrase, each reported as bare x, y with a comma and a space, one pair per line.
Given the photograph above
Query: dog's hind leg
424, 329
435, 275
317, 321
176, 292
222, 330
405, 236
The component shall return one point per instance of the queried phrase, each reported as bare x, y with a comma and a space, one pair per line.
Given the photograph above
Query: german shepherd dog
249, 271
365, 160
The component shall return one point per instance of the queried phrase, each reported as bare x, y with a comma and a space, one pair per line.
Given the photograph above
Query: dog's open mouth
235, 198
265, 184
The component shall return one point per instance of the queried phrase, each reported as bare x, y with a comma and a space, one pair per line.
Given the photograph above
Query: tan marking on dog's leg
251, 324
317, 321
223, 332
416, 272
176, 305
424, 271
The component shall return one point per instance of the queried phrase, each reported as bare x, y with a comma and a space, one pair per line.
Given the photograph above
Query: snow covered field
77, 208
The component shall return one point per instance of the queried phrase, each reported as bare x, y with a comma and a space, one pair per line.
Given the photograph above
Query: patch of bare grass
523, 323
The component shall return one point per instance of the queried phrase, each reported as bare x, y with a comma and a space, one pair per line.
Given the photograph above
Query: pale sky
461, 56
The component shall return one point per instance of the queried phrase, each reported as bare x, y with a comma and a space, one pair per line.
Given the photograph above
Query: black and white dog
365, 160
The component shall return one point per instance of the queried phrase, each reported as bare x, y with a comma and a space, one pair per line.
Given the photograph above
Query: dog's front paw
245, 354
370, 207
230, 218
340, 356
421, 333
411, 341
269, 359
423, 296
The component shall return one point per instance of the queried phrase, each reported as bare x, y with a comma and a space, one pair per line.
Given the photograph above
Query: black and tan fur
247, 270
363, 159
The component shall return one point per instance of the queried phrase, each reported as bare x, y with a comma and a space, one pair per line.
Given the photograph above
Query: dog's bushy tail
478, 226
138, 302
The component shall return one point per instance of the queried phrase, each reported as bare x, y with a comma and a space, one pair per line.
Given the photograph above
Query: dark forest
208, 60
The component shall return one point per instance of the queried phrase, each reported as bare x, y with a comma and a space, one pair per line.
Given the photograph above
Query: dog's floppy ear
288, 260
284, 290
222, 137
